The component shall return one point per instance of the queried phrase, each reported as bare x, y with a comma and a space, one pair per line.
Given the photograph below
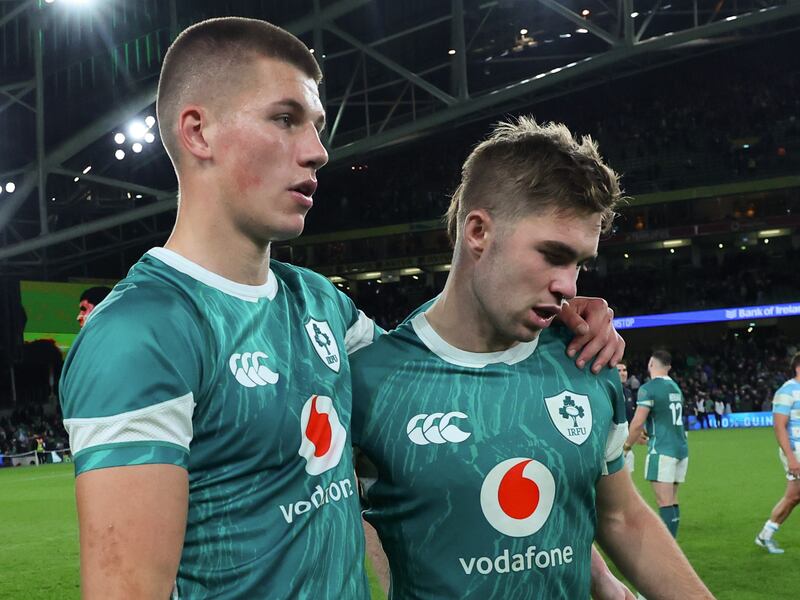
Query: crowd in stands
716, 126
741, 370
741, 280
19, 431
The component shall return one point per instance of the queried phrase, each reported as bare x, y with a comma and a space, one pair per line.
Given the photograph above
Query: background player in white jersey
208, 398
660, 408
786, 421
494, 457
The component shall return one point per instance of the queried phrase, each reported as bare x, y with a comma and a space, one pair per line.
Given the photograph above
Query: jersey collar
462, 358
250, 293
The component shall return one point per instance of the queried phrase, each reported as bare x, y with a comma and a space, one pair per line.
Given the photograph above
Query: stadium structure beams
35, 173
400, 119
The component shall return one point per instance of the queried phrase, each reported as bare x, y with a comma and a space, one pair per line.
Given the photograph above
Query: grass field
734, 480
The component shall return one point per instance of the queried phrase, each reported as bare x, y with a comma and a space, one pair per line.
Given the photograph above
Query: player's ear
192, 128
478, 230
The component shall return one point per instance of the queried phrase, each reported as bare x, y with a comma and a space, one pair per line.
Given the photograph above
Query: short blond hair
211, 58
523, 168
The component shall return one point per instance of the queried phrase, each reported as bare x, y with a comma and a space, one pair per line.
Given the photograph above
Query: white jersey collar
462, 358
250, 293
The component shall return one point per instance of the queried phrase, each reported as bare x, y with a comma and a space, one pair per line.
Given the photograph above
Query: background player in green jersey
660, 407
496, 461
208, 398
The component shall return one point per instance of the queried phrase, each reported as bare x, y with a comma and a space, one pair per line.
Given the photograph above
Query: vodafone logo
436, 428
322, 435
517, 496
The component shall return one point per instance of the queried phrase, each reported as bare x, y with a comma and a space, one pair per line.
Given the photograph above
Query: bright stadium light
523, 31
119, 138
10, 187
451, 52
136, 147
137, 129
634, 15
49, 1
720, 245
149, 120
149, 137
87, 169
119, 154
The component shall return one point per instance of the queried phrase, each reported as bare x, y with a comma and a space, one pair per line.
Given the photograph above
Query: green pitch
734, 480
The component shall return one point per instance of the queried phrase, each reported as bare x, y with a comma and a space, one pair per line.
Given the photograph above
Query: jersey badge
322, 435
517, 496
324, 343
248, 370
436, 428
571, 414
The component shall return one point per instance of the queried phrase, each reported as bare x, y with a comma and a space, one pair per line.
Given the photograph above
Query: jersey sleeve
644, 398
782, 401
618, 429
361, 330
129, 383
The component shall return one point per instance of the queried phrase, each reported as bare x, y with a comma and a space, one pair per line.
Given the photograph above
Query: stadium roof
74, 73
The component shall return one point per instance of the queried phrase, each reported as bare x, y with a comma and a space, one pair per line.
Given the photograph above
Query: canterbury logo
249, 371
436, 428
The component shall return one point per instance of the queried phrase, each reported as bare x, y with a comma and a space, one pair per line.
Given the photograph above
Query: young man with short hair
90, 298
660, 407
493, 461
208, 399
786, 421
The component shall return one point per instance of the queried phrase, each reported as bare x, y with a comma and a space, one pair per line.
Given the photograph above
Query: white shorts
785, 462
629, 460
665, 469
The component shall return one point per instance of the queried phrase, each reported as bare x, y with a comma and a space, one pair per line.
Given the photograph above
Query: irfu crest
571, 414
324, 343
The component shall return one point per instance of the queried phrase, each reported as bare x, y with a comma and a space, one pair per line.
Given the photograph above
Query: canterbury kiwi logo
436, 428
250, 372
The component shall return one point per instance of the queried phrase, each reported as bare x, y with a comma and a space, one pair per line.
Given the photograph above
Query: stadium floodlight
626, 255
523, 31
766, 240
87, 169
565, 36
672, 250
76, 180
582, 30
149, 137
720, 245
149, 120
10, 187
634, 15
119, 138
49, 1
138, 196
137, 129
119, 154
585, 12
136, 147
451, 51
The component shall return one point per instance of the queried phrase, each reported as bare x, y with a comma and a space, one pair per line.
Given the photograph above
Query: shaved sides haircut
208, 62
663, 357
524, 168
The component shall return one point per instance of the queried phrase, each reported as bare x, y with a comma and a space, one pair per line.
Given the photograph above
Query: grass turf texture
733, 482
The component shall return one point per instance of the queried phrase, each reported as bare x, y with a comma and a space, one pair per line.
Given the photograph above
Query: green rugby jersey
665, 421
484, 466
248, 388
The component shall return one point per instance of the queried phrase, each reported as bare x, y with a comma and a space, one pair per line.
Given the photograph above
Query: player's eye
284, 120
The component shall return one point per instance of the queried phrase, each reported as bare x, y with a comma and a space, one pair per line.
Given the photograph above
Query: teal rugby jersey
485, 465
247, 387
787, 402
665, 420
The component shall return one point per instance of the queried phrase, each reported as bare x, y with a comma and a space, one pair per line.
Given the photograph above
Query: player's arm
132, 521
636, 428
636, 540
592, 321
605, 586
376, 556
780, 423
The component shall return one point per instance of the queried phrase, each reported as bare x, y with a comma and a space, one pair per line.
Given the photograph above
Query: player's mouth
302, 192
543, 315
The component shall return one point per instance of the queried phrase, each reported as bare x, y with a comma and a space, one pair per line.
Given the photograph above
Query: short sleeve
644, 398
361, 330
782, 402
128, 385
618, 429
